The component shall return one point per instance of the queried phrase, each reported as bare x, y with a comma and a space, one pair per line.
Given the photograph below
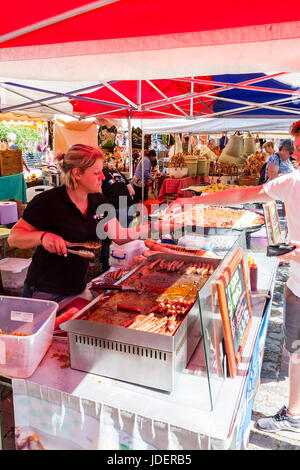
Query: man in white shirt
287, 189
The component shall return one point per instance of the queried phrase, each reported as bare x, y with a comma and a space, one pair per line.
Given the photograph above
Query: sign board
274, 234
235, 309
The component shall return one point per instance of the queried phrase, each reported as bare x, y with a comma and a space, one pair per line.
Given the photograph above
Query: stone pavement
272, 392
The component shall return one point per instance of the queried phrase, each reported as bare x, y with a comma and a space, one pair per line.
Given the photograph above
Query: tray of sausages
166, 286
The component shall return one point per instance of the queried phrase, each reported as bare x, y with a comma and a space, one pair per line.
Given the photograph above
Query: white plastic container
21, 355
13, 274
122, 255
196, 241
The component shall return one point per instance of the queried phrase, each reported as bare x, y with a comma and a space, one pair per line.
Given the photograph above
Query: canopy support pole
143, 176
130, 146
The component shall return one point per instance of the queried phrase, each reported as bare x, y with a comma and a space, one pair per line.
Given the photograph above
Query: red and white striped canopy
79, 40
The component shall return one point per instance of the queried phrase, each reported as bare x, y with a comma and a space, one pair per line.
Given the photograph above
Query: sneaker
279, 422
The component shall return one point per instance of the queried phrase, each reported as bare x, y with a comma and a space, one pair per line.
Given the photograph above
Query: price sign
272, 223
235, 309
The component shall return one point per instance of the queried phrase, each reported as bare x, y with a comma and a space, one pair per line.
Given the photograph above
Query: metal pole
130, 146
143, 176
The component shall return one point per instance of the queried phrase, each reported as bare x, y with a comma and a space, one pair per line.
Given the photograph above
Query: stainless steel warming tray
136, 356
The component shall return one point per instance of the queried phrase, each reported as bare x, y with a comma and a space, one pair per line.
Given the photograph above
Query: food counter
63, 408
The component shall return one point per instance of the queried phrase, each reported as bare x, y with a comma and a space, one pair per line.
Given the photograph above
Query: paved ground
272, 393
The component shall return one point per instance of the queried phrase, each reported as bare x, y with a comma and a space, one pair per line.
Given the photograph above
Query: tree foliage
27, 137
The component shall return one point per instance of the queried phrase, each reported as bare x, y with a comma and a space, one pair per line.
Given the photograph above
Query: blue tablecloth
13, 187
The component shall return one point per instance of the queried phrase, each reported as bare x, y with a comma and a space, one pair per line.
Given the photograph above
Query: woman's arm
130, 189
121, 235
273, 171
25, 236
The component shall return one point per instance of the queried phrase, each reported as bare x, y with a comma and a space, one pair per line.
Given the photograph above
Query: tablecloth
13, 187
175, 186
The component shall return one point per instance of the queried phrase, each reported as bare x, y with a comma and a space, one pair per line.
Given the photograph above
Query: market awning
147, 39
193, 97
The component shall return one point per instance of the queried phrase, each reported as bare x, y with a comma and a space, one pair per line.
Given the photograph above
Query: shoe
279, 422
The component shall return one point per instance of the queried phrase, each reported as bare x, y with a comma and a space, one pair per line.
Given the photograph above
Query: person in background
135, 160
285, 188
114, 186
279, 163
11, 136
269, 148
120, 193
155, 174
139, 188
64, 214
185, 144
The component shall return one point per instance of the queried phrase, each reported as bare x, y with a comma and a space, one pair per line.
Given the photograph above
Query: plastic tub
203, 167
13, 274
191, 162
122, 255
21, 355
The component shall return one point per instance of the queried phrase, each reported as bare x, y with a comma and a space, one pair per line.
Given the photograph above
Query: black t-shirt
115, 185
53, 211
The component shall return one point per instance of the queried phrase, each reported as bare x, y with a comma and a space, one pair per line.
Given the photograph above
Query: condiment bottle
253, 275
250, 259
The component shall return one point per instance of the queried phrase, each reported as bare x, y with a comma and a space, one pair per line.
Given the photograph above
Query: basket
203, 166
249, 145
234, 146
191, 162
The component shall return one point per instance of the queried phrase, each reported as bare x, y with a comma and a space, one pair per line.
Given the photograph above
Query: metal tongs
100, 285
82, 250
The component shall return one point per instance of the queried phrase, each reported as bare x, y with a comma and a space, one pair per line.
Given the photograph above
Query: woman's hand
54, 244
292, 255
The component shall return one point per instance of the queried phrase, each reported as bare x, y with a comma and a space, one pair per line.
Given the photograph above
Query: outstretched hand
292, 255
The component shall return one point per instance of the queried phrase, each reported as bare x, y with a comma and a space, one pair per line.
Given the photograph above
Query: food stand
60, 407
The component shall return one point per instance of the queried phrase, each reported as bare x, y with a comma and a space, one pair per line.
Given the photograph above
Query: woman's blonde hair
78, 156
269, 144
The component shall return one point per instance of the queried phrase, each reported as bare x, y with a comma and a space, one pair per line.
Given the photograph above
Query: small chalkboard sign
235, 309
272, 223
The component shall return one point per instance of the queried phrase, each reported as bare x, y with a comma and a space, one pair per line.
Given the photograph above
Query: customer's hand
292, 255
54, 244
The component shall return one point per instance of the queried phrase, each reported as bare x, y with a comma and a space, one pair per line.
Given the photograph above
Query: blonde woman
269, 148
68, 213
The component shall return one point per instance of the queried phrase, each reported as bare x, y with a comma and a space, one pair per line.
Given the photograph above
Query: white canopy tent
214, 126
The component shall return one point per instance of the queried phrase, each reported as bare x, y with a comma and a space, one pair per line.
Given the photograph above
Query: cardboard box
11, 162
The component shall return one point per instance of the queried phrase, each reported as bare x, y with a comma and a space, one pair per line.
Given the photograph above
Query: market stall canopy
191, 97
216, 126
146, 39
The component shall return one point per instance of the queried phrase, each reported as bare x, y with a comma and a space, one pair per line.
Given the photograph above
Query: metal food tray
135, 356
